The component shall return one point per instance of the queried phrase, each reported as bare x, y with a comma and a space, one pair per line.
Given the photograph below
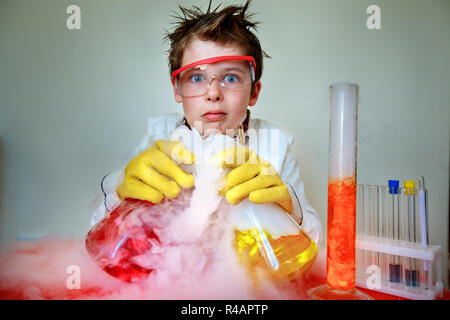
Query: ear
255, 94
177, 96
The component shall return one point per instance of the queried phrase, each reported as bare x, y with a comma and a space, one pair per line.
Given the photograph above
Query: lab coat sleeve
310, 221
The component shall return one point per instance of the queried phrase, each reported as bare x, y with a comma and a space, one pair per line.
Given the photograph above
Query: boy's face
219, 108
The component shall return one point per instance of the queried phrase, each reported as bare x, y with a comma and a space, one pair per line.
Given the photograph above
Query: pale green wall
73, 104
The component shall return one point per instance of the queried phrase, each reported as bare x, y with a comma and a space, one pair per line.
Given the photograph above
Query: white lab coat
271, 144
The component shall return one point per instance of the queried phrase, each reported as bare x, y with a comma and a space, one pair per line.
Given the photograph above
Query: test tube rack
392, 255
377, 245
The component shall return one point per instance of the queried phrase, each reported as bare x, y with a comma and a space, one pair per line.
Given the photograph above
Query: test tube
373, 203
389, 221
411, 270
423, 212
395, 266
420, 264
403, 208
383, 257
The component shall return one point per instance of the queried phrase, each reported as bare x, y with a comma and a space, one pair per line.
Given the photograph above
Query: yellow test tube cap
410, 186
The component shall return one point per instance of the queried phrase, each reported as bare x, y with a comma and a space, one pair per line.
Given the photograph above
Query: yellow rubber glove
149, 175
252, 177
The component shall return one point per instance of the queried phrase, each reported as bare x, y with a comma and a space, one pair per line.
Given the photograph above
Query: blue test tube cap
393, 186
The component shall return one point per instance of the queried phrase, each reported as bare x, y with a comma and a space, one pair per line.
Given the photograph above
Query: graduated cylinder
342, 187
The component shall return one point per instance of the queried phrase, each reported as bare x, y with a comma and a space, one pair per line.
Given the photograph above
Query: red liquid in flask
131, 230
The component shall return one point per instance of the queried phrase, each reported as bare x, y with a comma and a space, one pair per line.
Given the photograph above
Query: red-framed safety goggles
214, 60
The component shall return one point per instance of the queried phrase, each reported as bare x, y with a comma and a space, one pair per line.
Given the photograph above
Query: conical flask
269, 242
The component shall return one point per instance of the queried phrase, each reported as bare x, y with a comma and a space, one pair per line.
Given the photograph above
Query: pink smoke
38, 271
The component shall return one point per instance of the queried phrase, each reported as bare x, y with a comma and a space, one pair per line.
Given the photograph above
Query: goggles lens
230, 74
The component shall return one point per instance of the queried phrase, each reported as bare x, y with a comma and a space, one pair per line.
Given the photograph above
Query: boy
216, 64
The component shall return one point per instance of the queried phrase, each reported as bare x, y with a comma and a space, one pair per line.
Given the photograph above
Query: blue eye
231, 78
197, 78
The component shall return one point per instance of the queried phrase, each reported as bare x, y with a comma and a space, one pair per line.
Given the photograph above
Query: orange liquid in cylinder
341, 234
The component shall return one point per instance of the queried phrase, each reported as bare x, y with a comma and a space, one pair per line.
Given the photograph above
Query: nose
214, 93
